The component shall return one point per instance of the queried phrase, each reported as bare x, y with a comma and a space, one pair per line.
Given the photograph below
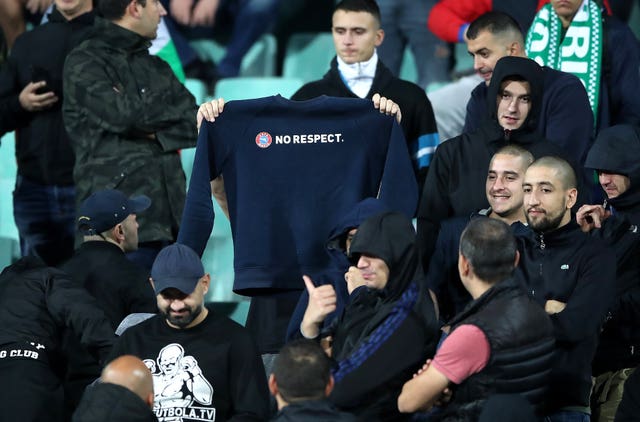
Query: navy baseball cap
106, 208
177, 266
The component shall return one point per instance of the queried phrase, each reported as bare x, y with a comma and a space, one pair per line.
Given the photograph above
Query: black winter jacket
110, 402
455, 185
312, 411
569, 266
616, 150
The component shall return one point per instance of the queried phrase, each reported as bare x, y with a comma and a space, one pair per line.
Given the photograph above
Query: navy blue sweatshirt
291, 169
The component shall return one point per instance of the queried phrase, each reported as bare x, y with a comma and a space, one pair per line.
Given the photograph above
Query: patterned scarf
579, 53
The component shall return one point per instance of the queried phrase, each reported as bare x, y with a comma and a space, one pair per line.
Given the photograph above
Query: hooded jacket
383, 336
110, 402
455, 185
339, 264
127, 116
616, 150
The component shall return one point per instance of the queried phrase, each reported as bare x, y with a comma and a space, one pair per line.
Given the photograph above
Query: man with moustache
504, 193
571, 275
204, 366
454, 184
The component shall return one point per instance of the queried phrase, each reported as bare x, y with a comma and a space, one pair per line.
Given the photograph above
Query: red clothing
464, 353
449, 18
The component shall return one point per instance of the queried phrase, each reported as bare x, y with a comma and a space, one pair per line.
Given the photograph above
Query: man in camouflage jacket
127, 116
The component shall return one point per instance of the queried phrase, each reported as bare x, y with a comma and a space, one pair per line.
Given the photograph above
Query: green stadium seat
308, 56
245, 88
408, 70
260, 60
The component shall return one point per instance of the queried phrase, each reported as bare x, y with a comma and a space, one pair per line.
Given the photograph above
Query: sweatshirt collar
359, 76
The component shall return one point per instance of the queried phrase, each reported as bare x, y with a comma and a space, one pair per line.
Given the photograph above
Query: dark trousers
45, 217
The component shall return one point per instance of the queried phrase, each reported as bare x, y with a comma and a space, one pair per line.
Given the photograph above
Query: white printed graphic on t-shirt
178, 384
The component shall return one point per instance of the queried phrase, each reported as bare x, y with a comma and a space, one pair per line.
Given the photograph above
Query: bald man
123, 393
571, 275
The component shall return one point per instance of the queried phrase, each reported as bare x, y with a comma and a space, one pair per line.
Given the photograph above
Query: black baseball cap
177, 266
106, 208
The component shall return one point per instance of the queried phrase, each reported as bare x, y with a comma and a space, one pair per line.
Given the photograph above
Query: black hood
526, 69
391, 237
616, 150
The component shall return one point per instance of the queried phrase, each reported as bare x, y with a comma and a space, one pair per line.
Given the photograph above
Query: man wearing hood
614, 157
455, 183
341, 279
386, 330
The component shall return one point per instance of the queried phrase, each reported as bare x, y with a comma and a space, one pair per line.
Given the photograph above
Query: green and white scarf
580, 51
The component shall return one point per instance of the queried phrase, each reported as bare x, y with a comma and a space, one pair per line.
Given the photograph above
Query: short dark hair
490, 248
566, 173
496, 23
114, 9
302, 371
516, 150
368, 6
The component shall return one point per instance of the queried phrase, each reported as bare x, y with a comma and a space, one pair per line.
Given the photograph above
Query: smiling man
455, 183
505, 196
204, 366
571, 275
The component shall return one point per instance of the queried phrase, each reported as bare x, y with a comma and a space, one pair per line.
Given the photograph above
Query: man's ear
149, 400
329, 388
379, 37
273, 385
153, 286
206, 282
516, 261
515, 49
572, 197
132, 9
463, 265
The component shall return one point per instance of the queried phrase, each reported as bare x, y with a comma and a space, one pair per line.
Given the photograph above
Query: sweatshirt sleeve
73, 306
434, 204
248, 390
12, 115
476, 108
624, 78
449, 19
198, 214
592, 296
357, 377
398, 188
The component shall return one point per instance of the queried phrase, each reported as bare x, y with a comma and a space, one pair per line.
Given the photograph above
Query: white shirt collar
359, 76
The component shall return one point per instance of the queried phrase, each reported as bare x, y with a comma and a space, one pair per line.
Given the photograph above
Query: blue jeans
405, 24
250, 20
45, 217
567, 416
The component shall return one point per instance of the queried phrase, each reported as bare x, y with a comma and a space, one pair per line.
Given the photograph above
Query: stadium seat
244, 88
308, 56
260, 60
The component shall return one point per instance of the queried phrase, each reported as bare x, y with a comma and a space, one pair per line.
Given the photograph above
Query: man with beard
504, 193
571, 275
205, 366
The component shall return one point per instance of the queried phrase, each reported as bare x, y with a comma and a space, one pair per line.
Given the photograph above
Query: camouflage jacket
127, 117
